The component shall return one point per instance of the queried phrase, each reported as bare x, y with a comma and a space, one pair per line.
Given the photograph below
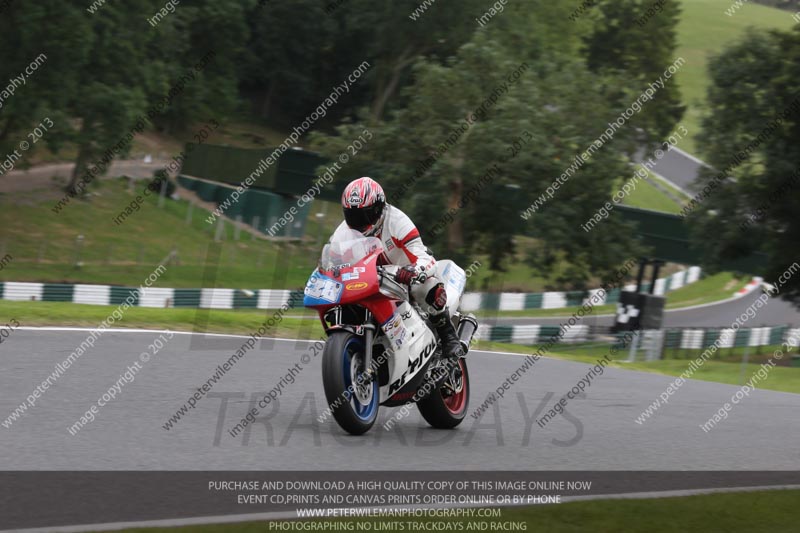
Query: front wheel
352, 401
447, 407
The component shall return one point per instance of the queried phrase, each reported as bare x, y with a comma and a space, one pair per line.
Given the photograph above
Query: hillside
704, 30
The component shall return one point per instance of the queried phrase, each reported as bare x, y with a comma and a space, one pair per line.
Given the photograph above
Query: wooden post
162, 194
78, 246
743, 366
220, 230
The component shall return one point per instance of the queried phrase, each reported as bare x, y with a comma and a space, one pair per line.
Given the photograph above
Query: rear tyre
354, 406
447, 407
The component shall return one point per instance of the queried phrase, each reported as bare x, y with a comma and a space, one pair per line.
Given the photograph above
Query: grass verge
241, 322
47, 247
726, 368
647, 196
772, 511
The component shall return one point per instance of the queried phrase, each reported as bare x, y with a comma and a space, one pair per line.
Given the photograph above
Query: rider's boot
451, 347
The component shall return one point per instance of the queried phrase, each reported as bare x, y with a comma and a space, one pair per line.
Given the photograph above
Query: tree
430, 159
214, 30
289, 65
112, 97
104, 73
392, 39
57, 38
636, 42
751, 134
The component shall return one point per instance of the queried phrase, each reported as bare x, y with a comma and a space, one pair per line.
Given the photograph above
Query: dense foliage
753, 129
542, 79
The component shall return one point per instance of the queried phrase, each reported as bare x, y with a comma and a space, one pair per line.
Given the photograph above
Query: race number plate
320, 287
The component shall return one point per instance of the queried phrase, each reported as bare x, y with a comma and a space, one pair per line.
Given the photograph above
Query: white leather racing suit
403, 246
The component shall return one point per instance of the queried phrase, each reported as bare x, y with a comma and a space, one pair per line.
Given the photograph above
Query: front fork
369, 336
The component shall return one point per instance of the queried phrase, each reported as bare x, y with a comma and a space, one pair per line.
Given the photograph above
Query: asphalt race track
596, 432
677, 166
718, 315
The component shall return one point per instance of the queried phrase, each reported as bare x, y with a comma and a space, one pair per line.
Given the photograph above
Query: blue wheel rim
362, 411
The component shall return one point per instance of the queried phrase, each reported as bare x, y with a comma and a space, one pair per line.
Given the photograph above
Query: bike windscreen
347, 248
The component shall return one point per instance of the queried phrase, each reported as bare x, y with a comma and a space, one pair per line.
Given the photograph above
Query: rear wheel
447, 407
353, 402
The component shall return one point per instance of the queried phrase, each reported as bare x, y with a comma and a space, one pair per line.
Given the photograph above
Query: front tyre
447, 407
353, 402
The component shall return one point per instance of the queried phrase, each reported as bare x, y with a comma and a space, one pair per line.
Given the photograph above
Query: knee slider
437, 297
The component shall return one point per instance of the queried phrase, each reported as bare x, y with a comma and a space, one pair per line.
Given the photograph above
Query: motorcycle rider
366, 211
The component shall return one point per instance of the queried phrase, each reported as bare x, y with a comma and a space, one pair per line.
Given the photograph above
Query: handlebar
422, 277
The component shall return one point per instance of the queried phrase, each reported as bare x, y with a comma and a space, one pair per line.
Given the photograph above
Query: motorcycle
380, 348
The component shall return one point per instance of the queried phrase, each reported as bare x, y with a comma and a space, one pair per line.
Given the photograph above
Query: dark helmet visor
362, 218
